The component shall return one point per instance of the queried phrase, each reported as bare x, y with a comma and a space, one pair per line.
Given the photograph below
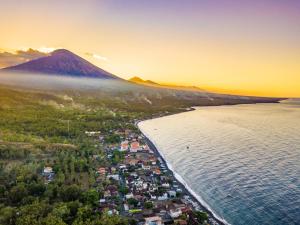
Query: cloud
19, 56
96, 56
47, 49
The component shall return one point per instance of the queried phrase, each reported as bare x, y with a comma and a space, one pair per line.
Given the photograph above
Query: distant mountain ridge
140, 80
63, 62
151, 83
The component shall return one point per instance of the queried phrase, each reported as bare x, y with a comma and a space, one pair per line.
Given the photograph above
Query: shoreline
213, 218
193, 108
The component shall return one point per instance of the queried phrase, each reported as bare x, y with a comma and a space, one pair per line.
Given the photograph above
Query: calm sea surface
244, 160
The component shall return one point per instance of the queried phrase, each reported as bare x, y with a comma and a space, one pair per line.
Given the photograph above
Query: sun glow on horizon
236, 47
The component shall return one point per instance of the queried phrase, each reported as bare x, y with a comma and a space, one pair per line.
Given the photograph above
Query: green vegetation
201, 216
45, 129
135, 211
148, 205
41, 130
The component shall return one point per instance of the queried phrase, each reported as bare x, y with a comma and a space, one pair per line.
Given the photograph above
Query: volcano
63, 62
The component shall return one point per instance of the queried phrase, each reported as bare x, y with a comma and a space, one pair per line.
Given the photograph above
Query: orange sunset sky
240, 47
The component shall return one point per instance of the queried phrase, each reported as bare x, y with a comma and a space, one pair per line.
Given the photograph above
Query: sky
233, 46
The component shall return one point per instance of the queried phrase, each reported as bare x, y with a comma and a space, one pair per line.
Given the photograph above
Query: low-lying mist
122, 89
53, 82
68, 83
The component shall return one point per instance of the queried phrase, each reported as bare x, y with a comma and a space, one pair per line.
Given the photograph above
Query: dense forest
39, 129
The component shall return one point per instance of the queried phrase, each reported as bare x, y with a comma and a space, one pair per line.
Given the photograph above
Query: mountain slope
63, 62
140, 80
151, 83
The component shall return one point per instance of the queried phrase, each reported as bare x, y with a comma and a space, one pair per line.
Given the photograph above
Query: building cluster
136, 183
142, 187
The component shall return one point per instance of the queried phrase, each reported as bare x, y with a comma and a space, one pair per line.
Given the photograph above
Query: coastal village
136, 183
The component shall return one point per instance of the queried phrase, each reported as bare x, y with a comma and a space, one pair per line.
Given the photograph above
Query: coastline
213, 218
187, 190
192, 108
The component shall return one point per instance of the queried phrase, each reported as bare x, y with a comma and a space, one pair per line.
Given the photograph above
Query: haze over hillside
64, 71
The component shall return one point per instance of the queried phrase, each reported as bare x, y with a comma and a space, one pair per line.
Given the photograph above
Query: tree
148, 205
52, 220
111, 220
92, 197
61, 211
124, 190
201, 216
70, 193
113, 138
73, 206
133, 202
60, 178
17, 193
27, 220
91, 177
36, 189
84, 213
34, 211
51, 192
7, 216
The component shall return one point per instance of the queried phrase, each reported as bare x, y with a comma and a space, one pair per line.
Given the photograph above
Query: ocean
243, 161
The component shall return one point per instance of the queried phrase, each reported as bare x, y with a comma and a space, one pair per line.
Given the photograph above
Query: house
106, 194
126, 207
145, 148
129, 195
165, 185
166, 218
163, 197
172, 194
48, 174
122, 166
131, 161
153, 197
114, 176
124, 146
48, 170
157, 171
179, 190
175, 213
102, 200
146, 167
153, 160
154, 220
134, 146
113, 212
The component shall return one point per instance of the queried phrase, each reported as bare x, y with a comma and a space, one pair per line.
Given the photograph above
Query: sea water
242, 161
